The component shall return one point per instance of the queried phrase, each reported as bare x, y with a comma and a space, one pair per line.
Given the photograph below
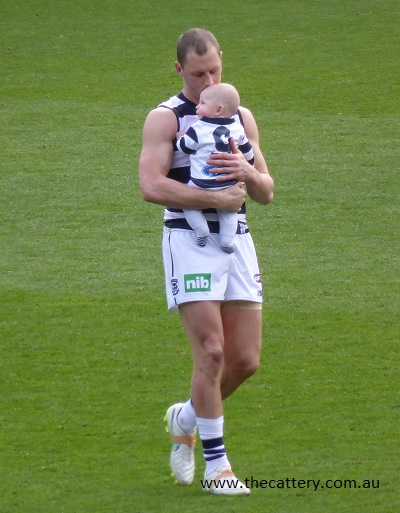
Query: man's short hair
199, 40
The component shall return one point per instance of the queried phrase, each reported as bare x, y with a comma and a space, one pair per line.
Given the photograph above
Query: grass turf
90, 359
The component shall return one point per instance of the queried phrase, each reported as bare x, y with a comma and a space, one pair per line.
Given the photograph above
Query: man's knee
210, 360
251, 367
215, 356
246, 366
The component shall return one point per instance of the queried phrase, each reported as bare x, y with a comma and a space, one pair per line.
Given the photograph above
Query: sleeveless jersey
185, 112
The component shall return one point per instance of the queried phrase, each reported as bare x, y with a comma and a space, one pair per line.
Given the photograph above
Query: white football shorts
195, 273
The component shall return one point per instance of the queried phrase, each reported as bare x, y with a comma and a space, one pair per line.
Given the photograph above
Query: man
218, 295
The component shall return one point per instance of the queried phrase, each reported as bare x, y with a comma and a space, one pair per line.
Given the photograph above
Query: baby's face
208, 106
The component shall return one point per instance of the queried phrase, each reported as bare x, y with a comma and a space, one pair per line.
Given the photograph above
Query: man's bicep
157, 149
156, 158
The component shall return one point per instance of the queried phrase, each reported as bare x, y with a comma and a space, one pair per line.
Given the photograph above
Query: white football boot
182, 451
224, 482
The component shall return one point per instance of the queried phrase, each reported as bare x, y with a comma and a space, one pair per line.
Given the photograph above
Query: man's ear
178, 68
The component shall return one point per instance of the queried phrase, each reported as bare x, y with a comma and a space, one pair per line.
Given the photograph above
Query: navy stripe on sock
213, 449
212, 444
211, 458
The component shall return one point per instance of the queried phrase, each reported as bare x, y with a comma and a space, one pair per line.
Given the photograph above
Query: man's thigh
242, 325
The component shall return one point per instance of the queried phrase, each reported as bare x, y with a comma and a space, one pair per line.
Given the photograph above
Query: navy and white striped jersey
211, 135
185, 112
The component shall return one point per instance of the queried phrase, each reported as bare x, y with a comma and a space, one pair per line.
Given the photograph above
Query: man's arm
259, 183
155, 162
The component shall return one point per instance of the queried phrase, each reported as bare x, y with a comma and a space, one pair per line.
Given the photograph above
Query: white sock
211, 432
187, 417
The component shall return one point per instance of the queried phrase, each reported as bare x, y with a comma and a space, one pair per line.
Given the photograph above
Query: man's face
199, 72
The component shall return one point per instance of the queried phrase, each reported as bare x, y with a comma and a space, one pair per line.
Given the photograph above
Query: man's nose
209, 79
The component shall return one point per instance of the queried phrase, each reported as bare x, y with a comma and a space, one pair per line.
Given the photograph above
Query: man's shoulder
161, 112
174, 115
161, 124
180, 105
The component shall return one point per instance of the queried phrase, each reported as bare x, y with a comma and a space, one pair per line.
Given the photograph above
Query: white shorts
194, 273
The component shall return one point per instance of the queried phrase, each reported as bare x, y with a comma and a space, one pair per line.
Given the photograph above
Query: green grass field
89, 357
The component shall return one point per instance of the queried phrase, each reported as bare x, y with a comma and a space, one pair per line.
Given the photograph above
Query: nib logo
197, 282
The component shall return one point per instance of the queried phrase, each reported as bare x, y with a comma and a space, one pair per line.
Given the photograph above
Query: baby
218, 122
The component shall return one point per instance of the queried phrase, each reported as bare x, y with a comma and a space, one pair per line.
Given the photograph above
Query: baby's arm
188, 142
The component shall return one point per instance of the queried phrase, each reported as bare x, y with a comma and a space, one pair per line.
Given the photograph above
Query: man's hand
231, 198
233, 165
259, 184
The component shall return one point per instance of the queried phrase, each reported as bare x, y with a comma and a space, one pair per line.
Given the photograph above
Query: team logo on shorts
197, 282
257, 277
175, 286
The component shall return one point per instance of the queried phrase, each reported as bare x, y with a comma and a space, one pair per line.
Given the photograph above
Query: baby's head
218, 100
